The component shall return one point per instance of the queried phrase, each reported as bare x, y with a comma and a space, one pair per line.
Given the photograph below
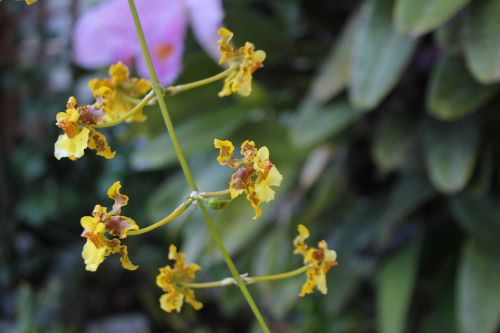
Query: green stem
213, 284
176, 213
215, 193
130, 99
187, 171
135, 109
249, 279
172, 90
280, 276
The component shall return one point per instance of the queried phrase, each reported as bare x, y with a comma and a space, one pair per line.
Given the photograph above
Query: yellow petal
260, 158
100, 212
89, 222
119, 73
172, 252
274, 177
260, 56
93, 256
263, 187
97, 141
227, 88
226, 150
115, 194
255, 202
225, 47
244, 84
299, 241
125, 261
308, 286
239, 181
191, 300
72, 148
320, 279
71, 104
171, 302
264, 192
118, 225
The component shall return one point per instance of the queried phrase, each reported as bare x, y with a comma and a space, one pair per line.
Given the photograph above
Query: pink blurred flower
105, 34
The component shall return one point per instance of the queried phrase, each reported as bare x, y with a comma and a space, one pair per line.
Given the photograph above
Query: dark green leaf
477, 289
269, 258
482, 33
380, 55
453, 93
442, 317
449, 35
450, 152
419, 17
315, 126
393, 140
395, 284
335, 72
370, 221
344, 281
479, 215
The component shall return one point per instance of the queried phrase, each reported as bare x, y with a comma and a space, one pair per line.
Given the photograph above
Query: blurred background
382, 115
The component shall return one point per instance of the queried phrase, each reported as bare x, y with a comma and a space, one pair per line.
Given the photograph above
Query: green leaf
38, 206
419, 17
335, 72
371, 220
344, 282
442, 316
481, 40
483, 178
395, 284
479, 215
450, 152
195, 135
380, 55
268, 258
453, 93
316, 125
394, 138
449, 35
477, 289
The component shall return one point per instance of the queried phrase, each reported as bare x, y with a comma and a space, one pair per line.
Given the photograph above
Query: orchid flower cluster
121, 99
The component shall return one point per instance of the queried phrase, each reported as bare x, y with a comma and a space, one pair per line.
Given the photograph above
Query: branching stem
249, 279
187, 172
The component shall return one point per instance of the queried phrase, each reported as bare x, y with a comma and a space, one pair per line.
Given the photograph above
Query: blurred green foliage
382, 116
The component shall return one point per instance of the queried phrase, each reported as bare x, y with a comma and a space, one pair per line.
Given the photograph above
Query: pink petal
164, 24
102, 35
206, 19
105, 35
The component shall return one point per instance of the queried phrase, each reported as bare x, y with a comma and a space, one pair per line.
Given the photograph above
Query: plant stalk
187, 172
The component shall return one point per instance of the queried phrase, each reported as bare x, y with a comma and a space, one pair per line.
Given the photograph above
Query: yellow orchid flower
95, 227
319, 260
117, 92
173, 280
249, 60
79, 134
255, 176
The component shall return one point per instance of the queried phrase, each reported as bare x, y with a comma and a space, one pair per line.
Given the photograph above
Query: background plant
405, 188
